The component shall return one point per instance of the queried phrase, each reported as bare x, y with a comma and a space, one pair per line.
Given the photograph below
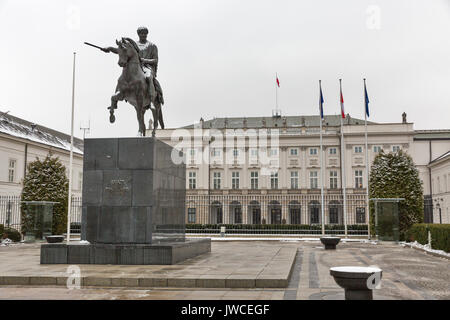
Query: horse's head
127, 51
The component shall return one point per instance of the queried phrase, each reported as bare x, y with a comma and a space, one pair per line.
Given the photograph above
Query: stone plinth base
123, 254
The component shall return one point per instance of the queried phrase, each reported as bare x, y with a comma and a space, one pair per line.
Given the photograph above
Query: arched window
314, 212
275, 212
216, 213
235, 212
254, 212
295, 211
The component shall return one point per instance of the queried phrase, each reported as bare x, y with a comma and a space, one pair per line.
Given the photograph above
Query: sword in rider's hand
93, 45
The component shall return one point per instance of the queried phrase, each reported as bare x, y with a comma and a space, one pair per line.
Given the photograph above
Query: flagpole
69, 209
321, 161
367, 161
343, 182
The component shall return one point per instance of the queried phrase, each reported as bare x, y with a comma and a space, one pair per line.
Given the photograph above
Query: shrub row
440, 235
10, 233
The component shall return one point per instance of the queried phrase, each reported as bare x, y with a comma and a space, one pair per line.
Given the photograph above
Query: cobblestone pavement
407, 274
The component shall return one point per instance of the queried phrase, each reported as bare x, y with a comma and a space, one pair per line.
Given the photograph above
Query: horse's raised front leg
114, 99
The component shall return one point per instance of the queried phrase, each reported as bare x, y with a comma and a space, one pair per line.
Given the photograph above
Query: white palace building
266, 170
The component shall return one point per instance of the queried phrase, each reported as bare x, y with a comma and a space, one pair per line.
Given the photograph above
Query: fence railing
291, 230
10, 213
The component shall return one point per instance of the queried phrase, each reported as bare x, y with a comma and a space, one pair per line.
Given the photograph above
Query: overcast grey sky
219, 58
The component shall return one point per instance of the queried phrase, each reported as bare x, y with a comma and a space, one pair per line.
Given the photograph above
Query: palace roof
20, 128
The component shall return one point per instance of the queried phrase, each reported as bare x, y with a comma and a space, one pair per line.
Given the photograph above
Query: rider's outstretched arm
111, 49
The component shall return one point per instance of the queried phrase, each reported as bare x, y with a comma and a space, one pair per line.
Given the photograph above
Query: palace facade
275, 178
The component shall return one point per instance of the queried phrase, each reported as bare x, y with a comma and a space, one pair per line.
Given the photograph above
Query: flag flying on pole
342, 102
278, 81
321, 101
366, 99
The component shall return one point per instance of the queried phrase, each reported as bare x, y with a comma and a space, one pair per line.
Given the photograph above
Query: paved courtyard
407, 273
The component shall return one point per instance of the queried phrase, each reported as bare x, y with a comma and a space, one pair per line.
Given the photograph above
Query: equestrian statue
138, 84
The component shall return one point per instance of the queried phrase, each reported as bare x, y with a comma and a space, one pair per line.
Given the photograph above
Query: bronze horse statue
133, 87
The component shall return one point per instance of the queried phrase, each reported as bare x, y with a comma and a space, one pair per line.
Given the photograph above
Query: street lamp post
438, 206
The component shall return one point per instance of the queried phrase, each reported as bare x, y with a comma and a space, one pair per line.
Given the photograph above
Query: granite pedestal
133, 209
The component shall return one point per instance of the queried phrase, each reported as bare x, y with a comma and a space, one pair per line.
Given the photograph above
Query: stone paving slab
229, 265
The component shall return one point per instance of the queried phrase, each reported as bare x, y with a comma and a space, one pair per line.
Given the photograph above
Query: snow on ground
425, 247
279, 239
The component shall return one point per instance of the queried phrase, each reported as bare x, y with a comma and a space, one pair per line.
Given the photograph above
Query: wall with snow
14, 148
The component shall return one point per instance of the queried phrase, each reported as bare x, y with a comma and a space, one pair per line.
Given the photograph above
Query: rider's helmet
142, 29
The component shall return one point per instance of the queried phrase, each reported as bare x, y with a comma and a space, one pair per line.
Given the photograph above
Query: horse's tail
159, 93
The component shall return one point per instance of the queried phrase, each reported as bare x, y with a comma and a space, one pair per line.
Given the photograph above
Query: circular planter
354, 281
54, 239
330, 242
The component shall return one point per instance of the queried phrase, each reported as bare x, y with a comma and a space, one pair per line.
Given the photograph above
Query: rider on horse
149, 57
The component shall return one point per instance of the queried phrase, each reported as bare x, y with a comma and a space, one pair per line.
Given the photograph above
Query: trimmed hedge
440, 235
10, 233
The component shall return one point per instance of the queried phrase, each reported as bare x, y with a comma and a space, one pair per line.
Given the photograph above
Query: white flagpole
367, 163
69, 209
321, 163
343, 180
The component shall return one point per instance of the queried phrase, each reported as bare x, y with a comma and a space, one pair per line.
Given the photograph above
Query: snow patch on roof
26, 130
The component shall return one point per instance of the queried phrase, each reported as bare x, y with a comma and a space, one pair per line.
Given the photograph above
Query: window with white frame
358, 179
273, 152
254, 180
376, 149
192, 180
254, 153
294, 179
12, 170
360, 215
313, 151
192, 152
313, 180
235, 180
80, 180
235, 152
294, 152
191, 215
358, 149
332, 151
274, 180
216, 180
215, 152
395, 148
333, 179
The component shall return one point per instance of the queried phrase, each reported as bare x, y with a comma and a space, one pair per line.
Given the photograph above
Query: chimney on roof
244, 123
202, 122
